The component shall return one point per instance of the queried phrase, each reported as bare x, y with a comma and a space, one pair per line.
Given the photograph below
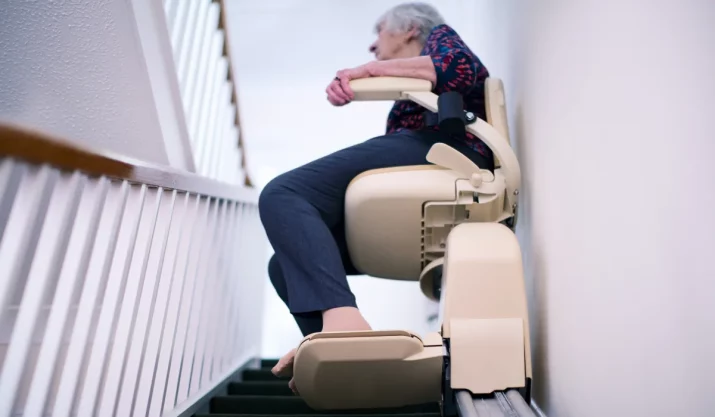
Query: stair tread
293, 405
265, 388
261, 375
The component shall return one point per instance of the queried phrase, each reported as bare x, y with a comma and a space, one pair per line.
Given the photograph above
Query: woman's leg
300, 210
309, 323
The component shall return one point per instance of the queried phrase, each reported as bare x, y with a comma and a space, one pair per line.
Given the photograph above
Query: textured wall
75, 68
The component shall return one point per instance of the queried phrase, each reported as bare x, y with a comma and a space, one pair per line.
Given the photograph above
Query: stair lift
448, 225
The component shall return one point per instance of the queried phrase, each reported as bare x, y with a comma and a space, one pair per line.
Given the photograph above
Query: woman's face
389, 45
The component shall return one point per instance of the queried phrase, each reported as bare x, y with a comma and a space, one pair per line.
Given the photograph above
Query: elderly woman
302, 210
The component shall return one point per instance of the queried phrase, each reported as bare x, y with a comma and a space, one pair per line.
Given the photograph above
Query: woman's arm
449, 65
340, 93
419, 67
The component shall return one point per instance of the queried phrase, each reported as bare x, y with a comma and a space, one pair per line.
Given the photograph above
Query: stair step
332, 414
268, 363
259, 388
291, 405
261, 375
262, 394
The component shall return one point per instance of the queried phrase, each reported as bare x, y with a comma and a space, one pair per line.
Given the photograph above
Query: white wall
76, 68
611, 105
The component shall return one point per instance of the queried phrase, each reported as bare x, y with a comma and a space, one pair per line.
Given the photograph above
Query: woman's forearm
419, 67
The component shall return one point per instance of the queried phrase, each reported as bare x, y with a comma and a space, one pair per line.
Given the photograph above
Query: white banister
76, 259
126, 293
126, 288
205, 78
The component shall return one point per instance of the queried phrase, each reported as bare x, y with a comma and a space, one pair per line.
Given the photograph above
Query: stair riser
295, 405
325, 415
261, 375
260, 388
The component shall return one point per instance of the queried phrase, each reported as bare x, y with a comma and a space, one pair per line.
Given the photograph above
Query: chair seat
397, 219
383, 218
374, 369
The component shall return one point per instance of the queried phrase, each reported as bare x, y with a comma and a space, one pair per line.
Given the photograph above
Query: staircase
260, 394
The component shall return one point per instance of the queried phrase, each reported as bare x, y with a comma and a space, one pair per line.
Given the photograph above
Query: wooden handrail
37, 147
223, 24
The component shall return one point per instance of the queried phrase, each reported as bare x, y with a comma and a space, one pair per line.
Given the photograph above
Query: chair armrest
420, 92
387, 88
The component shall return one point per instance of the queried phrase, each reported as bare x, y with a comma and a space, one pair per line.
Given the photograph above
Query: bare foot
284, 367
344, 319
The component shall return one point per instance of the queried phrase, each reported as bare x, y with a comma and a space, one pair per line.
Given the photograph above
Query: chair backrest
495, 102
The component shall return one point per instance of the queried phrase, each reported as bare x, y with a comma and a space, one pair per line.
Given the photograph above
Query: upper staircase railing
204, 66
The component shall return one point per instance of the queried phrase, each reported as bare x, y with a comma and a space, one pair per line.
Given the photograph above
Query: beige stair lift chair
448, 218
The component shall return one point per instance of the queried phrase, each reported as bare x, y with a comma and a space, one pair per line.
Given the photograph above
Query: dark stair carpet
260, 394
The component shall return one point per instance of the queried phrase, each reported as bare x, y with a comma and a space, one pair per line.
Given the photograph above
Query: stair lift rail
500, 404
414, 223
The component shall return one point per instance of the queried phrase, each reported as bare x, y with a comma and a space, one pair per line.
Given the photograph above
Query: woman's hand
339, 91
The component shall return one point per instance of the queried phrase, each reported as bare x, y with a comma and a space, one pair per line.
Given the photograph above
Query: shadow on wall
535, 275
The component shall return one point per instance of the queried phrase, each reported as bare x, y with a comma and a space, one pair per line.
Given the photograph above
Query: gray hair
413, 15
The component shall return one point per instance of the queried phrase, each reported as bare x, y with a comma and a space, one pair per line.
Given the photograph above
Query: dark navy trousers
302, 212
